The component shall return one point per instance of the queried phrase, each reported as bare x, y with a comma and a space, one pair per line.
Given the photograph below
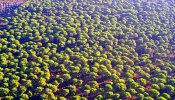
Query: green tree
166, 95
116, 96
72, 89
120, 86
9, 97
42, 81
154, 93
140, 96
169, 88
65, 92
108, 87
99, 97
148, 98
24, 97
109, 94
127, 95
161, 98
4, 91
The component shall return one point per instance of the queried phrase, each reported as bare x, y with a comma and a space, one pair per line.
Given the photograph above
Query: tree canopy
88, 49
